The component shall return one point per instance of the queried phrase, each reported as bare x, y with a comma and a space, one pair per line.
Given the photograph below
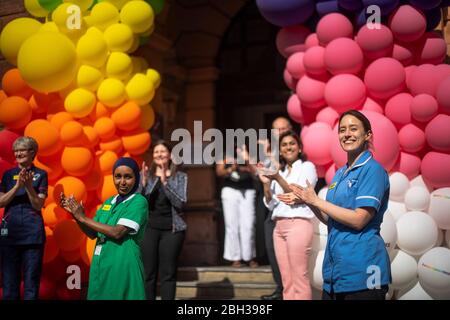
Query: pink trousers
292, 239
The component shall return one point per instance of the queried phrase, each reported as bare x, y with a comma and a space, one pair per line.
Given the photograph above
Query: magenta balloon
443, 95
287, 12
317, 143
343, 55
328, 115
372, 105
442, 71
7, 139
438, 133
295, 66
311, 40
432, 49
290, 81
424, 107
407, 23
344, 92
375, 43
291, 39
408, 164
411, 138
311, 92
314, 61
333, 26
294, 109
329, 174
435, 169
403, 53
424, 79
384, 78
398, 110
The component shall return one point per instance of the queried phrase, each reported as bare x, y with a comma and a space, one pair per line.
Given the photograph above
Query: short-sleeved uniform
117, 272
357, 260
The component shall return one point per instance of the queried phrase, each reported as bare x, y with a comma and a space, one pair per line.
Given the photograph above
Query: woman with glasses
22, 236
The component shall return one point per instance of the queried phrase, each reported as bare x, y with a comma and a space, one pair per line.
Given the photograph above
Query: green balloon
49, 5
157, 5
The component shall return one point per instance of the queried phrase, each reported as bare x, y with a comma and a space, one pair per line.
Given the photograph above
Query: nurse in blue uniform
22, 236
356, 265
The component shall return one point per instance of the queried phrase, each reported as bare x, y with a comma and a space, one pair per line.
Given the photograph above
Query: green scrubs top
117, 272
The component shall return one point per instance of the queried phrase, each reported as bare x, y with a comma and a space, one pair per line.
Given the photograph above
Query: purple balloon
386, 6
286, 12
324, 8
425, 4
350, 5
433, 18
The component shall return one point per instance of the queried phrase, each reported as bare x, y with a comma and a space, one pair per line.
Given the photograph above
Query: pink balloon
407, 23
408, 164
328, 115
375, 43
435, 169
290, 81
344, 92
329, 174
438, 133
372, 105
333, 26
311, 92
321, 170
398, 109
294, 109
343, 55
432, 49
314, 61
294, 65
311, 40
7, 139
408, 71
291, 39
424, 107
303, 132
411, 138
424, 79
403, 53
317, 143
384, 78
442, 72
443, 95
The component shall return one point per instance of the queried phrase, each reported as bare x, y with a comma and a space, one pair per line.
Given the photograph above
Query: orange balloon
60, 118
77, 161
3, 96
51, 164
39, 102
106, 161
56, 105
112, 144
49, 198
128, 116
72, 133
45, 135
15, 112
99, 111
87, 250
108, 188
136, 142
68, 235
105, 128
92, 180
91, 135
49, 215
51, 249
71, 256
14, 85
48, 231
70, 185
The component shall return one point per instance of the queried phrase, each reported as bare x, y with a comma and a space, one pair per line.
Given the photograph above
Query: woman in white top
293, 228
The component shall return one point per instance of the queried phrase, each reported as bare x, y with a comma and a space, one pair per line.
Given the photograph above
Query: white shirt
299, 173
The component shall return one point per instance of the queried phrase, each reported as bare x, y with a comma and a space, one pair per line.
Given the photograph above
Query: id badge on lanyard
4, 228
98, 247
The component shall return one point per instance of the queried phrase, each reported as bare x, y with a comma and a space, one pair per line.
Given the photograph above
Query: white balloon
403, 269
315, 269
399, 185
440, 239
418, 182
414, 293
320, 235
440, 207
388, 231
323, 193
397, 209
417, 199
416, 232
434, 271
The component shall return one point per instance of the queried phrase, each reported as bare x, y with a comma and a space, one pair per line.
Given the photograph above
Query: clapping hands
72, 206
306, 194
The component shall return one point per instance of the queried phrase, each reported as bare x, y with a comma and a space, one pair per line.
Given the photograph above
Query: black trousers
160, 252
373, 294
21, 262
269, 225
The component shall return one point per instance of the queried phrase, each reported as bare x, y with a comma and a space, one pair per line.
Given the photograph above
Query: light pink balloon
294, 65
290, 81
291, 39
314, 61
424, 107
424, 79
407, 23
435, 169
432, 49
408, 71
408, 164
384, 78
333, 26
294, 109
411, 138
317, 143
403, 53
372, 105
311, 40
311, 92
343, 55
398, 109
303, 132
438, 133
443, 95
385, 142
329, 174
328, 115
344, 92
375, 43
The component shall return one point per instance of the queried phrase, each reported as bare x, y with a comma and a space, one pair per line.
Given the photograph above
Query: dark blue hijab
130, 163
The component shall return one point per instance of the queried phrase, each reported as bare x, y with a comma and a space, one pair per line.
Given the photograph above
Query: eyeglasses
22, 150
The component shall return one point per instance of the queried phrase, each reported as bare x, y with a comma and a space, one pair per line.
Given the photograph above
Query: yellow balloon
139, 64
69, 19
89, 78
35, 9
111, 92
148, 32
103, 15
63, 93
147, 117
14, 35
154, 76
138, 15
83, 4
119, 65
49, 26
80, 102
135, 45
119, 37
47, 61
92, 49
117, 3
140, 89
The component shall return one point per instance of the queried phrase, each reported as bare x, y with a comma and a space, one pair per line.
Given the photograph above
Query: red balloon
344, 92
291, 39
311, 92
411, 138
343, 55
333, 26
438, 133
375, 43
384, 78
4, 165
398, 109
407, 23
424, 107
7, 139
435, 169
314, 61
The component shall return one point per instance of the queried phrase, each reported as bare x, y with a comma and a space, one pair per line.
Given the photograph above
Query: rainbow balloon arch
386, 61
84, 97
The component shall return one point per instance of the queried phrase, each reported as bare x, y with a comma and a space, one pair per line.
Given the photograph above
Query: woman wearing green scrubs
117, 272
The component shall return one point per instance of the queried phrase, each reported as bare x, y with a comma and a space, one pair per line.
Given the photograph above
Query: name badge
106, 207
97, 250
3, 232
16, 177
332, 186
